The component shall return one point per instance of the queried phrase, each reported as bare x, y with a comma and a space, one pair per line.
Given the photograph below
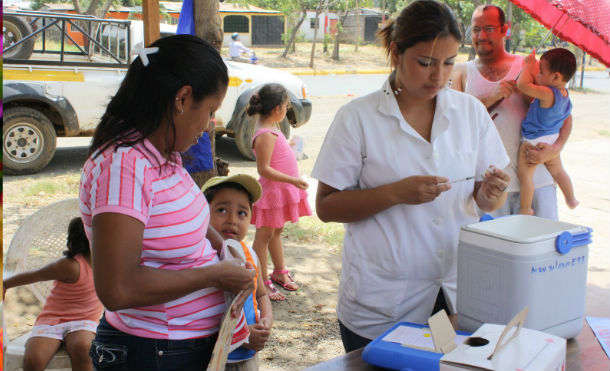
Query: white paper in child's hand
232, 249
222, 348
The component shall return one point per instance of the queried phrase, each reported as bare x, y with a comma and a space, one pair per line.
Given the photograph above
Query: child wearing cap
230, 199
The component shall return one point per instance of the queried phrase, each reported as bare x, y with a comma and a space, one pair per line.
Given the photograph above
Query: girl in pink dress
284, 196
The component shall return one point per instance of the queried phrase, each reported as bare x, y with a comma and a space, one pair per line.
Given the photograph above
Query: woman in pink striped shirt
158, 275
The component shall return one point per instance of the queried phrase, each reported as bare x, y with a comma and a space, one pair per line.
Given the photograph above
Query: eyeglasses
487, 29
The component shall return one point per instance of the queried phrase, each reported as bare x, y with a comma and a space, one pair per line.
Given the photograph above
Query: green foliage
130, 3
533, 35
49, 188
37, 4
526, 32
300, 37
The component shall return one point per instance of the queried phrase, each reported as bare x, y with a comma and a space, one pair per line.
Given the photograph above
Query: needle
460, 180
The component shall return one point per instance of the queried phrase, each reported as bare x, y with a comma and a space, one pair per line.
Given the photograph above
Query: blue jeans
351, 340
115, 350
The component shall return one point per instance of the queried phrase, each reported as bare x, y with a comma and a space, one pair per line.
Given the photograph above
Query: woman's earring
181, 111
397, 91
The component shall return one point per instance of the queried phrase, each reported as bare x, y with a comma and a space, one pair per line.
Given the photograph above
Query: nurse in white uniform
403, 168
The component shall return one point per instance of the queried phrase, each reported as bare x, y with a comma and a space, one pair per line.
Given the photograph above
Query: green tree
342, 8
91, 7
294, 10
319, 7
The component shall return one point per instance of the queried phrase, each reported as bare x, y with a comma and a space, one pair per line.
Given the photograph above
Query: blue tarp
186, 22
198, 157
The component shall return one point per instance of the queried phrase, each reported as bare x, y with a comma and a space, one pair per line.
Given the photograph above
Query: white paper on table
415, 337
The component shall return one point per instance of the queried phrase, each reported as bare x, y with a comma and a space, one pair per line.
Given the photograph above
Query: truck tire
14, 29
243, 137
245, 132
28, 141
285, 127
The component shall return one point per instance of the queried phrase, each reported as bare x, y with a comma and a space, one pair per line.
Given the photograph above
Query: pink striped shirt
175, 215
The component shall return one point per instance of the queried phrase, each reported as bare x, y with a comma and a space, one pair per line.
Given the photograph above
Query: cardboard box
491, 348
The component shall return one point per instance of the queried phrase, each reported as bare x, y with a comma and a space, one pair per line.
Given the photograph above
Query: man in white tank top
491, 77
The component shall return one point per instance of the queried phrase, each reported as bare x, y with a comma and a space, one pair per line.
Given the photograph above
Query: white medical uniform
395, 261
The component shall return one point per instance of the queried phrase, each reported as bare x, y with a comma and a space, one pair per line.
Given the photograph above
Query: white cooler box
515, 261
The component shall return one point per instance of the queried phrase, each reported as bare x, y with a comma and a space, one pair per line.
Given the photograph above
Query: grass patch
604, 133
55, 45
312, 229
43, 188
39, 192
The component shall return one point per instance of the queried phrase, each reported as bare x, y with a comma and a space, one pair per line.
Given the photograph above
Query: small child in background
231, 199
71, 311
546, 82
284, 196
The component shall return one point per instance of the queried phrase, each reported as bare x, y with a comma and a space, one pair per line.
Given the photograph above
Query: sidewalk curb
306, 71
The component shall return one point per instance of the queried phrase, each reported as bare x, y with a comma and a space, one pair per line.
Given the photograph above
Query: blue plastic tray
398, 357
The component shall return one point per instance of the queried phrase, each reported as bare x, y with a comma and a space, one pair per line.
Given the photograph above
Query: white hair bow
143, 52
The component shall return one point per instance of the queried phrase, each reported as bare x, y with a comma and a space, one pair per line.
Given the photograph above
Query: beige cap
252, 186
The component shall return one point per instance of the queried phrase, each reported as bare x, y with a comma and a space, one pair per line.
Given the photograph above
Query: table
584, 353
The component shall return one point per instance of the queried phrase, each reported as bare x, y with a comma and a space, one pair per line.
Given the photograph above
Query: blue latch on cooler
566, 240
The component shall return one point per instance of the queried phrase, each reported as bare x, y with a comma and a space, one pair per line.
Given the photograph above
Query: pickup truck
60, 71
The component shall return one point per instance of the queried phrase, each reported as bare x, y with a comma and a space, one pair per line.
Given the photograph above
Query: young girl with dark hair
401, 167
72, 309
155, 259
284, 196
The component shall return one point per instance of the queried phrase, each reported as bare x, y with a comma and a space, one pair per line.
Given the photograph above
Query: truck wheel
285, 127
28, 139
243, 138
14, 29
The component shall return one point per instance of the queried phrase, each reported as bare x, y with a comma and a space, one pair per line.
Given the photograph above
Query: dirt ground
305, 329
367, 56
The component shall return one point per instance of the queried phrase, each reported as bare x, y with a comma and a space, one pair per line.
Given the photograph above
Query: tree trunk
77, 6
208, 26
105, 8
315, 36
294, 33
336, 47
358, 30
509, 20
92, 7
338, 35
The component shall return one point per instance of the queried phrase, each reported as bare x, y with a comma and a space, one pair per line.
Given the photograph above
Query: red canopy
585, 23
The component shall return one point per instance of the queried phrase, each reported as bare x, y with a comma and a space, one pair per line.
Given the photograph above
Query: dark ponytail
77, 241
266, 99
